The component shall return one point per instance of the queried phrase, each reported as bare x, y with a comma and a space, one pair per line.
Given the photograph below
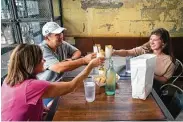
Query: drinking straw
97, 49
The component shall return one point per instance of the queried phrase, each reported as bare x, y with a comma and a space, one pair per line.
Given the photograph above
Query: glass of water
89, 86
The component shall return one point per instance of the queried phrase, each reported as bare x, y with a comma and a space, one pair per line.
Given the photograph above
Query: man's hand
97, 61
89, 57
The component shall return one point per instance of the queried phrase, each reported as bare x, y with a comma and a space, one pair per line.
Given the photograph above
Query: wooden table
122, 106
73, 106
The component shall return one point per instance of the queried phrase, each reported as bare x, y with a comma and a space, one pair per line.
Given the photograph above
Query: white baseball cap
51, 27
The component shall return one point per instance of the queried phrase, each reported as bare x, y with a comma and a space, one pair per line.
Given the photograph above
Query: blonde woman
22, 93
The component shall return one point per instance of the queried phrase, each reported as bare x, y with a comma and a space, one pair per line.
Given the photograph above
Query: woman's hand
97, 61
113, 52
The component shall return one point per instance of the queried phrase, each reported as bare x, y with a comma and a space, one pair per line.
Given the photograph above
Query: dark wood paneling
177, 44
117, 42
85, 44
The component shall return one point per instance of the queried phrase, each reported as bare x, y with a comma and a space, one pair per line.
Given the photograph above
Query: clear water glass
89, 86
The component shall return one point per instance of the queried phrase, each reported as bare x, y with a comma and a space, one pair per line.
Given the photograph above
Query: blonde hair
23, 60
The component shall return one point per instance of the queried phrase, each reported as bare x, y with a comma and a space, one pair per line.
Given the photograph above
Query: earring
163, 45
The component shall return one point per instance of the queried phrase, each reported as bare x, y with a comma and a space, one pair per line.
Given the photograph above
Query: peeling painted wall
101, 4
122, 17
56, 7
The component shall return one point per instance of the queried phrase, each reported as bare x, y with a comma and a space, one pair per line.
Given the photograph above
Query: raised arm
145, 48
76, 55
72, 64
62, 88
124, 53
72, 51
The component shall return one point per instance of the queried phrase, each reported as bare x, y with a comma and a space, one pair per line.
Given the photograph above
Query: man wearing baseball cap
59, 55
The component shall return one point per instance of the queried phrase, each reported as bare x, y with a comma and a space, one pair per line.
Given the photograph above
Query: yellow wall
133, 18
56, 7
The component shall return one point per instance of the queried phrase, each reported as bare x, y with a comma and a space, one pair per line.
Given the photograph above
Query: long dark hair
165, 37
23, 61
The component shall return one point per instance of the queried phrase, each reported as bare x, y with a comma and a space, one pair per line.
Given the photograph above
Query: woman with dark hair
160, 45
22, 93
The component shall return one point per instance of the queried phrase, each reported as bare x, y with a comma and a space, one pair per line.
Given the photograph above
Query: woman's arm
161, 79
167, 75
145, 48
124, 53
62, 88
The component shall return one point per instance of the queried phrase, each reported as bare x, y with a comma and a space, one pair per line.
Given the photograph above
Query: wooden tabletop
122, 106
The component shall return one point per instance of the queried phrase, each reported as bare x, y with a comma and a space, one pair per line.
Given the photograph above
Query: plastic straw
97, 49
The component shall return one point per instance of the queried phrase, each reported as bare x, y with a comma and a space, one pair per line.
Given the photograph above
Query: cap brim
58, 30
